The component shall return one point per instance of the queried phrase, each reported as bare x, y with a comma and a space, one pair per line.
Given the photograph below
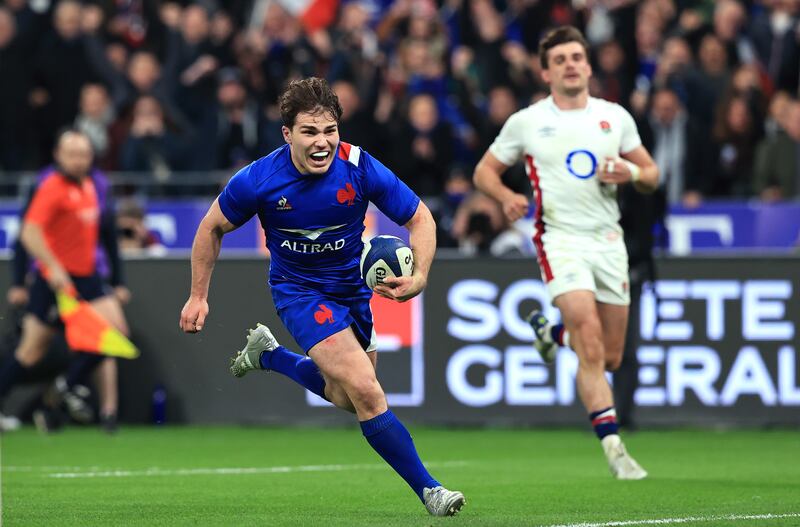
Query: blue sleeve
239, 199
387, 192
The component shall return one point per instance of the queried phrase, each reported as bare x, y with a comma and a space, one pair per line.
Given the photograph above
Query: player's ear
546, 76
287, 134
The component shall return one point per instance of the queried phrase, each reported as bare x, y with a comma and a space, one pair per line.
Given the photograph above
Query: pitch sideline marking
226, 471
46, 468
671, 521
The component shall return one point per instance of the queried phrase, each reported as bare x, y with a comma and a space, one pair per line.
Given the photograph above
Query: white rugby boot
620, 463
442, 502
259, 340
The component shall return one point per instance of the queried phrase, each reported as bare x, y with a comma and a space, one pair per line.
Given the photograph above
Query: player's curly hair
312, 95
558, 36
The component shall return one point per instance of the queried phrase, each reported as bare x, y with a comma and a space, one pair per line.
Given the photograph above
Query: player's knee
365, 388
28, 355
365, 393
589, 327
338, 397
589, 335
613, 362
593, 358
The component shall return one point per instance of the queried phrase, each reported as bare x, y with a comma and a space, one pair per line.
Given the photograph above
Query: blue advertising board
711, 228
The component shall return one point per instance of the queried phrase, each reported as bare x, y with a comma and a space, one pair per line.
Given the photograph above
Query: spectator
139, 74
708, 80
735, 134
748, 81
423, 147
14, 114
729, 19
117, 56
674, 65
777, 165
457, 188
501, 104
151, 146
774, 33
286, 52
478, 223
383, 54
648, 44
196, 86
356, 123
60, 70
238, 123
221, 34
679, 147
484, 33
135, 239
611, 80
94, 118
354, 46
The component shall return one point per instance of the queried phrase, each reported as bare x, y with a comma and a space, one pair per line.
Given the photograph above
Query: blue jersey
314, 223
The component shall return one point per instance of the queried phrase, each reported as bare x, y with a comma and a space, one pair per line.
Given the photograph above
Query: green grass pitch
202, 476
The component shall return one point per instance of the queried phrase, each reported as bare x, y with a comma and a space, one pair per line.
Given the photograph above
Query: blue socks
559, 334
604, 422
387, 435
300, 369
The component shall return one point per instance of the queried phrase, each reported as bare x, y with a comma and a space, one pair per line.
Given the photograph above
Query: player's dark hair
558, 36
312, 95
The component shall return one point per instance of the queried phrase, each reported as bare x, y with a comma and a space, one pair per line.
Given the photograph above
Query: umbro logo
546, 131
283, 204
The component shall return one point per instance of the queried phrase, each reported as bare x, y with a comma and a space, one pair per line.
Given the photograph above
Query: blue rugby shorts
311, 316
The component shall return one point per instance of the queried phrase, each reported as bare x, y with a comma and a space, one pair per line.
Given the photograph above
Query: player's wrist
634, 169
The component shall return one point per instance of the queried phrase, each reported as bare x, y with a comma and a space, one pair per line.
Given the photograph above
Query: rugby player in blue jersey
311, 196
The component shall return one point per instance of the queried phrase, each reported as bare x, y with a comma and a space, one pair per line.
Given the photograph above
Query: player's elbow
488, 172
27, 235
480, 175
212, 226
650, 184
422, 219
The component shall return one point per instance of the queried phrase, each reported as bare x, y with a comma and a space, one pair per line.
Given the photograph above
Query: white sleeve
507, 146
630, 139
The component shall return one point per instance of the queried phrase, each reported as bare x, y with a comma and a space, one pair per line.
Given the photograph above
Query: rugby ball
385, 256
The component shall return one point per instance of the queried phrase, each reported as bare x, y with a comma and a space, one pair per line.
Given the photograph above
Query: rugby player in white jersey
577, 150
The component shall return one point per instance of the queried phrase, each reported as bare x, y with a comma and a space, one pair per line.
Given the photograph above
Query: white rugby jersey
563, 150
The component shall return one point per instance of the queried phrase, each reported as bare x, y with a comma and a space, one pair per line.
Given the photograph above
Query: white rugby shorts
596, 263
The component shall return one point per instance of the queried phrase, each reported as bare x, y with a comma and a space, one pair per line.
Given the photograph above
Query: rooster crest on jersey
385, 256
346, 195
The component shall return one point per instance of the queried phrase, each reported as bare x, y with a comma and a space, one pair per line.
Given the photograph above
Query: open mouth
320, 157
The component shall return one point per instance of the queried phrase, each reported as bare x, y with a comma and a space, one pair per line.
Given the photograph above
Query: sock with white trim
604, 422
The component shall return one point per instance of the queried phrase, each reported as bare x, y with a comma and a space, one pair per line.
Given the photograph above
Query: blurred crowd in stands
163, 87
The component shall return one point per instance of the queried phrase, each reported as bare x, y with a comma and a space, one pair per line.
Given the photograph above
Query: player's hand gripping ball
385, 256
